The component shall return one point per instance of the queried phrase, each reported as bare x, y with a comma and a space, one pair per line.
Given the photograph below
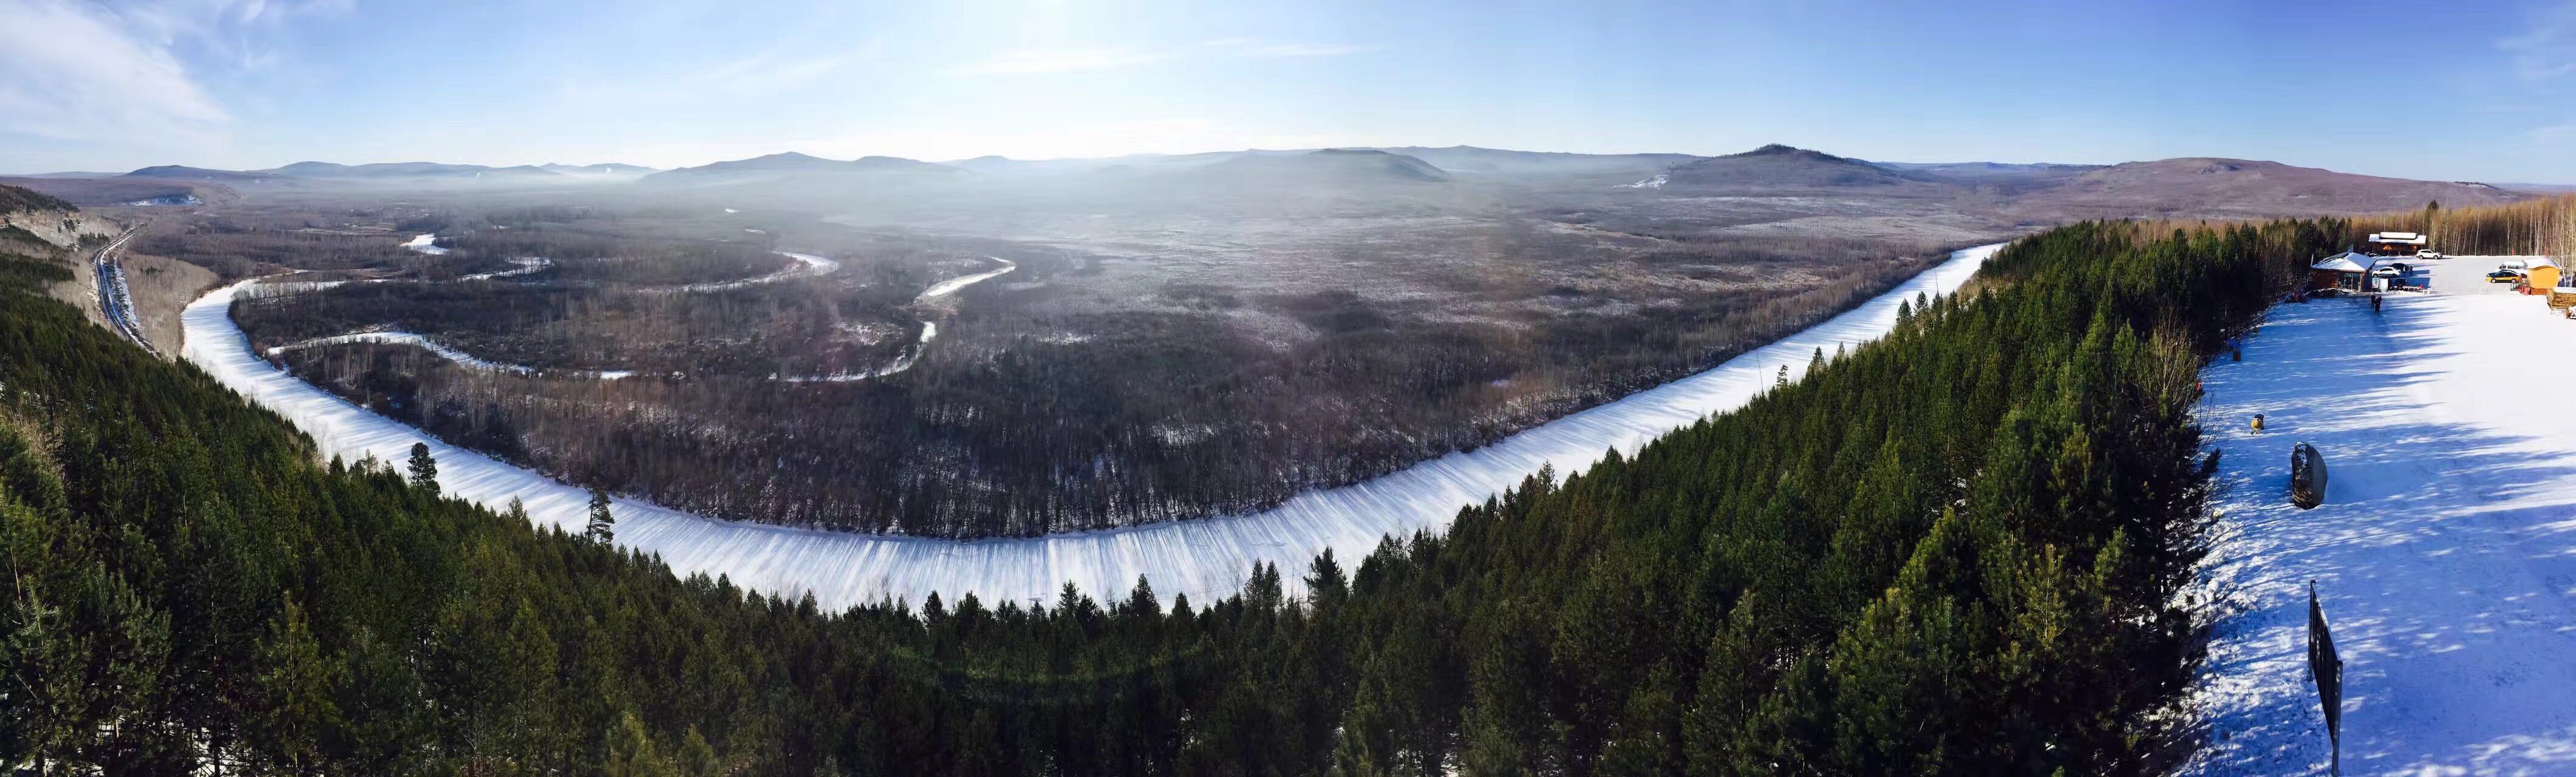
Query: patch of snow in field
266, 287
1207, 558
953, 285
1656, 182
527, 265
808, 265
912, 354
426, 243
2445, 552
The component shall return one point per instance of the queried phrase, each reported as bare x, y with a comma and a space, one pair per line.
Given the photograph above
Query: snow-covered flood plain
460, 357
1203, 558
2444, 554
426, 242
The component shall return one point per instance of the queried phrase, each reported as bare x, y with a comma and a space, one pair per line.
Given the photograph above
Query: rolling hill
1776, 166
1330, 166
1472, 160
803, 169
185, 173
2208, 186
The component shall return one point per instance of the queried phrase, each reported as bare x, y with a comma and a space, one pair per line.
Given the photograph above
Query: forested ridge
14, 199
1959, 550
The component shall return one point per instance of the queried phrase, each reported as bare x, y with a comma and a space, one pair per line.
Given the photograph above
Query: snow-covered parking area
2445, 552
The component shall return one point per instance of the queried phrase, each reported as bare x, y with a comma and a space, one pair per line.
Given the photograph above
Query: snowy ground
426, 243
929, 330
1203, 558
526, 266
807, 265
953, 285
461, 358
2445, 554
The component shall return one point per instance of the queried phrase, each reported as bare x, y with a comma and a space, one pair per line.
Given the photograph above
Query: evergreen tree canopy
424, 469
1960, 549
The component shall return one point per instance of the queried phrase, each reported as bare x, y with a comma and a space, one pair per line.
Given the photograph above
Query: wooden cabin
2397, 243
2349, 271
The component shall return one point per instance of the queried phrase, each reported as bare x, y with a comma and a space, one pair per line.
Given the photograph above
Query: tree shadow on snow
2444, 555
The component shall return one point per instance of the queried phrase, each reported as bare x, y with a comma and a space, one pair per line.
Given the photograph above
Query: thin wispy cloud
1062, 61
773, 70
1257, 49
770, 73
2547, 49
1076, 60
233, 34
71, 71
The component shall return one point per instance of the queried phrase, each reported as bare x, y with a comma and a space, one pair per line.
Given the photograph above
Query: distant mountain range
2195, 186
382, 171
795, 166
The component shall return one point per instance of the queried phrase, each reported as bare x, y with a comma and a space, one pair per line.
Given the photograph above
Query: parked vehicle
2505, 276
2427, 253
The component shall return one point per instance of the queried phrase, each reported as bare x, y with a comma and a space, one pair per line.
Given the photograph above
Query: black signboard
2327, 668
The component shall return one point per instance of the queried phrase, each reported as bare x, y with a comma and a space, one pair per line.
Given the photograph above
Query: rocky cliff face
57, 228
26, 214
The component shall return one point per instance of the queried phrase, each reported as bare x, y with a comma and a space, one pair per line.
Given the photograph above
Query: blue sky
2470, 90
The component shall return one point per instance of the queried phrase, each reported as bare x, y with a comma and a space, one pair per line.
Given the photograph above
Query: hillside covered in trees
1957, 550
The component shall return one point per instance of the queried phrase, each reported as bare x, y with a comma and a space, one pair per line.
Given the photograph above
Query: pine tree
602, 523
424, 469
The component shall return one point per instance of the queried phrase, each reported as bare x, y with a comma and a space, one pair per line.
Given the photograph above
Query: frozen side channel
1206, 558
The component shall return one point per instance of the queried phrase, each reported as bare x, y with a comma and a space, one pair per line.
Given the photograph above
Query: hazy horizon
952, 160
2473, 91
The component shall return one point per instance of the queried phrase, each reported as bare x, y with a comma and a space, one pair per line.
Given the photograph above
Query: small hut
2541, 278
2346, 270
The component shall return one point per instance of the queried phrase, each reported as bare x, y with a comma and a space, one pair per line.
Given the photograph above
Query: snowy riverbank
921, 345
426, 242
1203, 558
2445, 552
807, 265
461, 358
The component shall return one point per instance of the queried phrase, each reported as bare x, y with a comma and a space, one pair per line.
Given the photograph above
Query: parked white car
2427, 253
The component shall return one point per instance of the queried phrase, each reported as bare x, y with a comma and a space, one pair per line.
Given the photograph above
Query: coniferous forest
1962, 549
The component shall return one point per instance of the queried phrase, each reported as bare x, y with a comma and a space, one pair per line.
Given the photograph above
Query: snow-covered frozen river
1205, 558
469, 361
2444, 554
